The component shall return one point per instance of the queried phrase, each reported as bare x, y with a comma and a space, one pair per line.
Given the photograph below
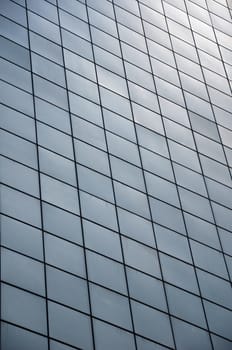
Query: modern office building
115, 169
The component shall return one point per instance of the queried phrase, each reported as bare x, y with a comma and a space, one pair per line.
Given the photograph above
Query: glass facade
115, 169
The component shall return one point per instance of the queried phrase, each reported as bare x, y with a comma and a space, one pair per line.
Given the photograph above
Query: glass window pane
64, 323
148, 260
110, 306
152, 324
22, 271
67, 289
64, 255
106, 272
21, 237
23, 308
109, 337
17, 338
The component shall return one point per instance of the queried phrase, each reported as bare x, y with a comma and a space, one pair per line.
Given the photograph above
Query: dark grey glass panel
46, 48
17, 338
226, 241
20, 206
219, 193
14, 32
165, 72
107, 60
220, 343
184, 156
136, 227
43, 27
104, 7
190, 337
50, 92
15, 53
169, 91
135, 56
143, 96
179, 133
112, 81
116, 103
223, 216
161, 53
17, 123
74, 25
57, 166
67, 289
144, 344
54, 345
52, 115
148, 259
147, 118
123, 148
186, 306
48, 69
131, 199
106, 272
14, 12
172, 243
44, 9
82, 86
162, 189
210, 148
22, 100
160, 212
79, 65
119, 125
215, 170
215, 289
85, 109
196, 204
59, 194
22, 271
69, 326
19, 176
92, 157
54, 140
199, 106
146, 289
105, 41
71, 42
98, 210
152, 141
156, 164
62, 223
18, 149
204, 126
74, 7
189, 179
110, 306
220, 324
152, 324
64, 255
22, 238
174, 112
209, 259
88, 132
24, 309
102, 22
202, 231
102, 240
178, 273
109, 337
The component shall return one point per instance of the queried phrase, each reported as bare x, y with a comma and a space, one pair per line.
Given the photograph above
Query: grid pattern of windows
115, 169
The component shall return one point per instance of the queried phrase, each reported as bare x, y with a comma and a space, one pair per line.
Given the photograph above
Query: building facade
116, 158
